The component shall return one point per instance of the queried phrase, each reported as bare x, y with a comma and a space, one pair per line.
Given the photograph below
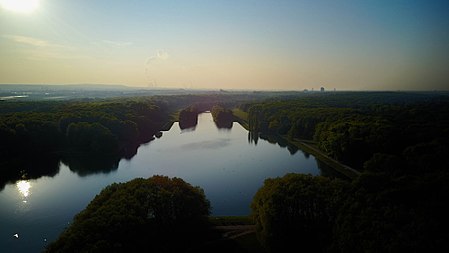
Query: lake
229, 164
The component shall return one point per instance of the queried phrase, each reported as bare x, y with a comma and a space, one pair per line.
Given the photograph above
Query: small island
223, 117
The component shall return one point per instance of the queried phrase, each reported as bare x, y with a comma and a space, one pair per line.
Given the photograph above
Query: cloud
38, 49
27, 40
117, 43
160, 55
31, 41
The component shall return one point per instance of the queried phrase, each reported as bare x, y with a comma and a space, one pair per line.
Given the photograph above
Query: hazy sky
242, 44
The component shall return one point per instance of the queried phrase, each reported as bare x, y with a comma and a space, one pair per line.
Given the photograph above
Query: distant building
322, 89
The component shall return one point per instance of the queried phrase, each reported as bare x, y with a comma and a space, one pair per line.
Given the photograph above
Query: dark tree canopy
351, 127
223, 117
297, 211
188, 117
377, 212
158, 214
385, 214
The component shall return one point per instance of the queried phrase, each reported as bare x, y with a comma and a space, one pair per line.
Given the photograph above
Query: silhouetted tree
158, 214
297, 211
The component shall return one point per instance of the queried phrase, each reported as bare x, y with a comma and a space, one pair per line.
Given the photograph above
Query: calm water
228, 166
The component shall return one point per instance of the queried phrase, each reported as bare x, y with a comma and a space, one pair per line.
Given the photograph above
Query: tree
296, 211
223, 117
92, 137
158, 214
387, 214
188, 117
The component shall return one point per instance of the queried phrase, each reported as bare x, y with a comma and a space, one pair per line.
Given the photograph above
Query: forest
397, 141
353, 127
89, 135
400, 144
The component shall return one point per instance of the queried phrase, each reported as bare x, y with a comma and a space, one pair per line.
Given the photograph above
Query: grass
167, 126
309, 148
241, 117
304, 145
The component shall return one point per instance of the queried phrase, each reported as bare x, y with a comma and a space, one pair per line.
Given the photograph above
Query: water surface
228, 165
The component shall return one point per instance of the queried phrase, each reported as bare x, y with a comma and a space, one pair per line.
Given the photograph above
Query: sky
227, 44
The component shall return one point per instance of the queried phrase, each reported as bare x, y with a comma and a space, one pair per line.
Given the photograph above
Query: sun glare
24, 187
21, 6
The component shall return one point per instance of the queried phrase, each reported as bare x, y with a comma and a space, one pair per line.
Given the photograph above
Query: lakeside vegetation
147, 214
352, 127
399, 142
223, 117
88, 135
91, 134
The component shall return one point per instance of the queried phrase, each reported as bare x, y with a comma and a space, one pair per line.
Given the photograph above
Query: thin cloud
31, 41
27, 40
117, 43
38, 49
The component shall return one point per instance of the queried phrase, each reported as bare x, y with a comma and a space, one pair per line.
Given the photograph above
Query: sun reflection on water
24, 187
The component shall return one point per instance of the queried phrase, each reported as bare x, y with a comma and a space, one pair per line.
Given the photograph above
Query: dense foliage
394, 214
188, 117
400, 141
158, 214
94, 133
297, 211
374, 213
352, 127
223, 117
79, 125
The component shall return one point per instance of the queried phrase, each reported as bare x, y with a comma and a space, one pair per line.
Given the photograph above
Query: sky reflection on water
226, 164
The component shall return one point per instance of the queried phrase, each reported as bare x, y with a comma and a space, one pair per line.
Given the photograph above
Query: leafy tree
387, 214
96, 138
188, 117
158, 214
223, 117
296, 211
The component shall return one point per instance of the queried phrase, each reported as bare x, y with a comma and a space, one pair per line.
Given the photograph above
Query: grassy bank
307, 147
241, 117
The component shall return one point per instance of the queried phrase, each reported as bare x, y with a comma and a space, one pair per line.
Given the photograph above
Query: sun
21, 6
